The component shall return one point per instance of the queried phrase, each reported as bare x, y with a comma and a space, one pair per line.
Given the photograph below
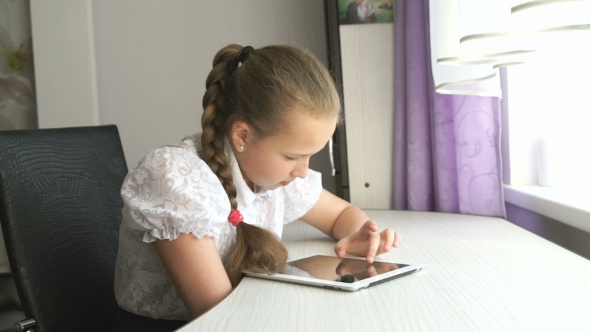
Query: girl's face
277, 160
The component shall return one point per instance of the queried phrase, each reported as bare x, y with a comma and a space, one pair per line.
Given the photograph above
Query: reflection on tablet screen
338, 269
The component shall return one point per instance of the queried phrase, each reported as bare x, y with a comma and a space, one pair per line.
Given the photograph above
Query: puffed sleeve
171, 192
301, 195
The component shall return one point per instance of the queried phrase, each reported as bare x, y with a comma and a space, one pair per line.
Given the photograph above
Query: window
549, 124
549, 100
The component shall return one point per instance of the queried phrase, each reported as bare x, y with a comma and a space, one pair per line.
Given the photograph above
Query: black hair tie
244, 53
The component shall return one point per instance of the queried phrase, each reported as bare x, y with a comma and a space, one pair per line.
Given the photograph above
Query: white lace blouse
172, 191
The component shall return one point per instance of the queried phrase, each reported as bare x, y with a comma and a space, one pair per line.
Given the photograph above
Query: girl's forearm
348, 222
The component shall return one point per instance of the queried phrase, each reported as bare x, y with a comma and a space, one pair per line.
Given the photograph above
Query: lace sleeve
171, 192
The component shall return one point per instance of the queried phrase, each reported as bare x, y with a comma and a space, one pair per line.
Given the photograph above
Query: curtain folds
447, 147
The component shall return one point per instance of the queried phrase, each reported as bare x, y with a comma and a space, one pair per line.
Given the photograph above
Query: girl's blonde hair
264, 92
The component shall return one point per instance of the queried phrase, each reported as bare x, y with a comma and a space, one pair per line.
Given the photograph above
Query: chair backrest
60, 210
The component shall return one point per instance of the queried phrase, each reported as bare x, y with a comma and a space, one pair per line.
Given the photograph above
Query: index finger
374, 240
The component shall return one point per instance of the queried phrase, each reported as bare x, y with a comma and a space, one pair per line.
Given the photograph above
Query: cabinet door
368, 81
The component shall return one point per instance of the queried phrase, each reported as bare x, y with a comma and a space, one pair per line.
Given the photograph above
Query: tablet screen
330, 268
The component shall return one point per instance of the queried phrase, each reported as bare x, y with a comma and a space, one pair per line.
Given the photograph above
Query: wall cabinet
362, 62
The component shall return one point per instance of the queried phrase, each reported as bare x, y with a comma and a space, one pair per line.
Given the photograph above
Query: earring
241, 148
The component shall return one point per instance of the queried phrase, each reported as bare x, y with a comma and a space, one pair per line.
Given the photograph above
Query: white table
483, 274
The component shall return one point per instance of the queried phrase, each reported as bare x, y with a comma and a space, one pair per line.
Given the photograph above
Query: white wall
151, 59
64, 57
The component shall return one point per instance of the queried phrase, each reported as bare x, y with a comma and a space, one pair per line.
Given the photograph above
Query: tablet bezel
354, 286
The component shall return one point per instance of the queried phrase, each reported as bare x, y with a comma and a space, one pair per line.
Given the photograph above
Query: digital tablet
349, 273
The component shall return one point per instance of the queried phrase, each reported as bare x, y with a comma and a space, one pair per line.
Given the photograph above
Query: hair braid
212, 123
257, 249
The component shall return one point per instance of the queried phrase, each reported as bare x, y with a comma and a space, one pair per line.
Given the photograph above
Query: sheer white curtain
471, 39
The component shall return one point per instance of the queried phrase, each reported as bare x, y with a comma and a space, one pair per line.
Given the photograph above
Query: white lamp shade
470, 39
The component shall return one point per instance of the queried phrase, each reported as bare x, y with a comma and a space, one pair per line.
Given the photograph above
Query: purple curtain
447, 147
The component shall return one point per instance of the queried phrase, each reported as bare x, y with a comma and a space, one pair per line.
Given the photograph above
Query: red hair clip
235, 217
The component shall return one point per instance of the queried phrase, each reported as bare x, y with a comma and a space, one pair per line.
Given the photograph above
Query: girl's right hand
368, 241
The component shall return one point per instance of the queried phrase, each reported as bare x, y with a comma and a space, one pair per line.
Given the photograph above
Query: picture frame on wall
365, 11
18, 107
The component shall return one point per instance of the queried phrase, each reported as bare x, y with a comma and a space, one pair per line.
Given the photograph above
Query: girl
183, 243
366, 12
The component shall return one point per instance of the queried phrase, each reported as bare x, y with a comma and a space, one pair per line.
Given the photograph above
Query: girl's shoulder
187, 150
192, 143
179, 158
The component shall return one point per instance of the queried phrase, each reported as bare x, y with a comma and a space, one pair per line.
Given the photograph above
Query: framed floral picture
17, 87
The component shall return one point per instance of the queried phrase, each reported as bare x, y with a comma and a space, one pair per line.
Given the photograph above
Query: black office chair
60, 210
